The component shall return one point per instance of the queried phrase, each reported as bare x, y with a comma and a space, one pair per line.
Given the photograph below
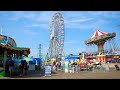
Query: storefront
112, 58
9, 49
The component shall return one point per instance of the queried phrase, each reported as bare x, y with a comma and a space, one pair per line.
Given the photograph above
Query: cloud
80, 26
72, 19
78, 20
105, 14
30, 32
100, 23
36, 25
36, 19
43, 16
17, 15
95, 13
112, 14
70, 42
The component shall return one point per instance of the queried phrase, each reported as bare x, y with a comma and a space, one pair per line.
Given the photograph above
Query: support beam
5, 58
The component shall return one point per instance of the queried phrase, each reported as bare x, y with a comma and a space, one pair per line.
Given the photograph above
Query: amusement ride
56, 37
99, 38
105, 43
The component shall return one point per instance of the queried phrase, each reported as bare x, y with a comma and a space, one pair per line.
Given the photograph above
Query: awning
15, 48
19, 48
4, 46
72, 57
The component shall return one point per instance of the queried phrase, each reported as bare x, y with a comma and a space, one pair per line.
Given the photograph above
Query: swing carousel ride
105, 43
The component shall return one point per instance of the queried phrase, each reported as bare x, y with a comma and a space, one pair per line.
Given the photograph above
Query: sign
3, 39
11, 42
47, 70
66, 66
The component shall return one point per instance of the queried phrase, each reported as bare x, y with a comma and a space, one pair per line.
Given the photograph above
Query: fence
94, 68
84, 67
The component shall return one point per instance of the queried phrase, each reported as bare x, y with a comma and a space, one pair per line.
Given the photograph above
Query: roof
98, 33
7, 40
14, 48
72, 57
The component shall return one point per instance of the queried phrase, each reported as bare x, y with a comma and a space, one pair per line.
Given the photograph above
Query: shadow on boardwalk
34, 73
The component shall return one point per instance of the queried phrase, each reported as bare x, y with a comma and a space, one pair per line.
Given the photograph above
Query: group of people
23, 67
10, 67
58, 65
72, 66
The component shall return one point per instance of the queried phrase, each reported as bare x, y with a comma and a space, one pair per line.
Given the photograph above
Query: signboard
47, 70
11, 42
3, 39
7, 40
66, 66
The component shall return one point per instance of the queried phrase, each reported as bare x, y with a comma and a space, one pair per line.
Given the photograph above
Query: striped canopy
98, 33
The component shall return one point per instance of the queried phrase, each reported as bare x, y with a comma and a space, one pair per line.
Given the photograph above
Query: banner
11, 42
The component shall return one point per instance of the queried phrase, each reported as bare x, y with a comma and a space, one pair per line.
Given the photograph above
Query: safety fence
79, 68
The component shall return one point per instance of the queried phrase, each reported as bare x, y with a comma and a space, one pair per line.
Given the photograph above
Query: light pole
39, 50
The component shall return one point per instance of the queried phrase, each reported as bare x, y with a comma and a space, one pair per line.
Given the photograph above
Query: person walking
25, 67
59, 66
11, 67
21, 67
7, 73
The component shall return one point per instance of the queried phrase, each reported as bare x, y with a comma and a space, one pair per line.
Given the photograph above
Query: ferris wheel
56, 36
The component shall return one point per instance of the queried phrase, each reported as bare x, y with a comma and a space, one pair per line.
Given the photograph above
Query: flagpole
1, 30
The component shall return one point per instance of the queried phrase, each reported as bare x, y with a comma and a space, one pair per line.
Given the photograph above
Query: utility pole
39, 50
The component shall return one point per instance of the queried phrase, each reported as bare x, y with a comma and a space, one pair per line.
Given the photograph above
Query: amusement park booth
9, 49
101, 58
35, 63
71, 58
113, 58
89, 59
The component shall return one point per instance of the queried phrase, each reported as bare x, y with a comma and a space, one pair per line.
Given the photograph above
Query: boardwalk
61, 75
